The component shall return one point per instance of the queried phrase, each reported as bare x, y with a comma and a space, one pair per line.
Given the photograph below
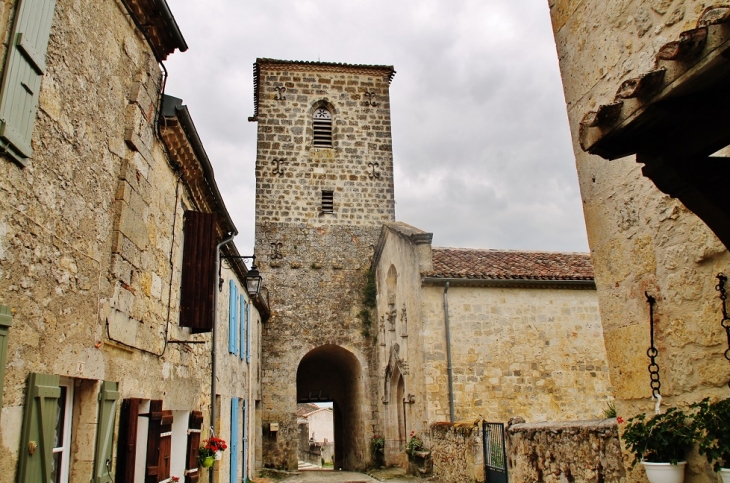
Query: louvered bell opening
322, 127
328, 202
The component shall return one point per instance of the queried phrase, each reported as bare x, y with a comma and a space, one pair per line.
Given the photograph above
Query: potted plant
711, 422
210, 451
660, 444
377, 448
414, 444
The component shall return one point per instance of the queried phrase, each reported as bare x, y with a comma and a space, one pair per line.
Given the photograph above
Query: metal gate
495, 455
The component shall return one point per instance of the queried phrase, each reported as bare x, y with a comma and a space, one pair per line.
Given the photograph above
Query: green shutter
108, 397
39, 421
24, 67
6, 320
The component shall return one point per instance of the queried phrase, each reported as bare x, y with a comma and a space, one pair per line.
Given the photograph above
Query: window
62, 432
328, 201
47, 421
322, 128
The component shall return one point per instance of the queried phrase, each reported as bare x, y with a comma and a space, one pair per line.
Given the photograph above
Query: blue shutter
24, 68
244, 459
248, 332
234, 439
244, 327
232, 326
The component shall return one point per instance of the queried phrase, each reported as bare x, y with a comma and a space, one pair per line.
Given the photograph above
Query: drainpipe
215, 325
448, 352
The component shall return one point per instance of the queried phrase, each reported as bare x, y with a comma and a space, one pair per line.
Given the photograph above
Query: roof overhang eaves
182, 125
156, 21
646, 115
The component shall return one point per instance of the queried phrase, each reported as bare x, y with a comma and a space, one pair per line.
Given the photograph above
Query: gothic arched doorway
331, 373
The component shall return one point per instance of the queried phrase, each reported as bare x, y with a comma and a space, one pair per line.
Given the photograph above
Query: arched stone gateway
330, 372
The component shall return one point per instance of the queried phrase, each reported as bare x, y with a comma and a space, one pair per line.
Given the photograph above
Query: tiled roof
469, 263
159, 26
305, 408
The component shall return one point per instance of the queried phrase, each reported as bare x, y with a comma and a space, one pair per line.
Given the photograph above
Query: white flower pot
725, 475
218, 455
664, 472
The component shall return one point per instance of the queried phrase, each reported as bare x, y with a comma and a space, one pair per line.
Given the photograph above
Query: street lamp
252, 278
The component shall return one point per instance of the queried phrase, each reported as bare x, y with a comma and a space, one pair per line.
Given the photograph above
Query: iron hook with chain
720, 287
653, 352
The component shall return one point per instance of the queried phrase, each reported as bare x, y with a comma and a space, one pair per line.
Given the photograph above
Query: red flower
619, 420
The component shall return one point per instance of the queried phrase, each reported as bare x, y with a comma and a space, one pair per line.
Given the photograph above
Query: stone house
645, 87
467, 334
109, 224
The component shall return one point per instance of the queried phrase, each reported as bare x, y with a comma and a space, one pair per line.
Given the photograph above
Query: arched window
322, 127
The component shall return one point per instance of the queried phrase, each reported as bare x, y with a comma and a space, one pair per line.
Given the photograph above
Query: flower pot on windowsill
208, 461
664, 472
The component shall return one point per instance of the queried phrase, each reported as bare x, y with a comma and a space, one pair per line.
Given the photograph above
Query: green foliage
377, 444
370, 291
414, 444
711, 421
367, 322
662, 438
610, 410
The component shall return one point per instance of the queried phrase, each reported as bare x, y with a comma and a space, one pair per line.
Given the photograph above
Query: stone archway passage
331, 373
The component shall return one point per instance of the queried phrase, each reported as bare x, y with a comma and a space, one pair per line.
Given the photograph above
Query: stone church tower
324, 188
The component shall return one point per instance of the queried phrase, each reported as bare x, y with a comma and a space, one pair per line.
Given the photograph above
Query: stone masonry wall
457, 453
641, 239
315, 263
535, 353
575, 451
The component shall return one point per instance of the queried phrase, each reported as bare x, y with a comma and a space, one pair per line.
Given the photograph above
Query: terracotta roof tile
507, 264
305, 408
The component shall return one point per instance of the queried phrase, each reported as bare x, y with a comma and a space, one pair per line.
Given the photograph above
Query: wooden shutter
244, 325
244, 452
191, 457
234, 439
108, 397
24, 67
39, 421
6, 320
198, 279
232, 318
165, 446
248, 332
153, 441
127, 441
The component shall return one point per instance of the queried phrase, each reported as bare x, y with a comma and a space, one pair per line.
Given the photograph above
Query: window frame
65, 448
322, 128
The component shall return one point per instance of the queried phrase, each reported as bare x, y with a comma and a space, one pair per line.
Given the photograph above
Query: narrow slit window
328, 201
322, 127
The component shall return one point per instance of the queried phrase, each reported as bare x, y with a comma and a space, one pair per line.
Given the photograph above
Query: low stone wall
456, 452
573, 451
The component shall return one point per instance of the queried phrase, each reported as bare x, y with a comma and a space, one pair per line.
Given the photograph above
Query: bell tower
324, 188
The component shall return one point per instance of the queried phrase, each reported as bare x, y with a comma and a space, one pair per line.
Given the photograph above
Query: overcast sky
481, 143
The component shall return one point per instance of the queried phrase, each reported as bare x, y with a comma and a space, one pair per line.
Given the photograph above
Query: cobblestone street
391, 475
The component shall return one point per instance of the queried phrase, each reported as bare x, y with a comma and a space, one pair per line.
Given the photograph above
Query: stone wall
641, 239
575, 451
315, 263
457, 453
531, 352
